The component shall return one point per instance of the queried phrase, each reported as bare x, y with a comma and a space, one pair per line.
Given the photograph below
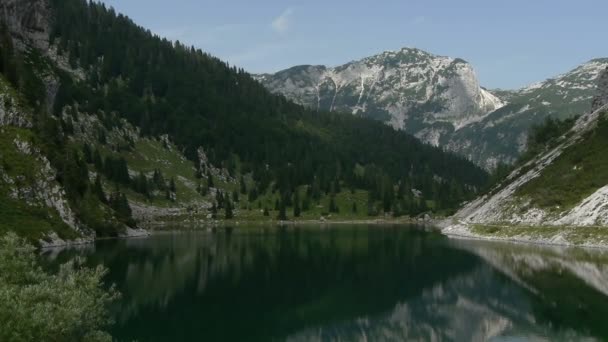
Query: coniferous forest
119, 71
167, 88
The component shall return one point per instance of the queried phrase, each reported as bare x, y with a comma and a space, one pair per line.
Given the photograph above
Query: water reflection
350, 283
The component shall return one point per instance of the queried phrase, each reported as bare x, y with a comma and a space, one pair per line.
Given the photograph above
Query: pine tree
333, 208
210, 179
266, 213
172, 186
354, 207
98, 190
306, 203
296, 204
243, 186
282, 211
228, 210
159, 180
88, 154
120, 204
219, 198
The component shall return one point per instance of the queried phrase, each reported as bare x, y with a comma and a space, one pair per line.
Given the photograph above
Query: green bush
35, 305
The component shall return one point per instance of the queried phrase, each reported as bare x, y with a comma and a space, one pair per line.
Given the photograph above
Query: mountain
439, 100
107, 127
409, 89
564, 185
501, 136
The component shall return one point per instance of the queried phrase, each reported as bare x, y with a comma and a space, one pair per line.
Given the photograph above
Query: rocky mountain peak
409, 89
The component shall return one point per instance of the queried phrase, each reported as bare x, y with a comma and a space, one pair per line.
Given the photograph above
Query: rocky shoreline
558, 236
54, 241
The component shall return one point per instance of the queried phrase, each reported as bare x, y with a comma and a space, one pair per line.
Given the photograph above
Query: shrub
36, 305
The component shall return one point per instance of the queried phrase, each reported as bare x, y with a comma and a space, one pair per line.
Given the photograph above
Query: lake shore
585, 237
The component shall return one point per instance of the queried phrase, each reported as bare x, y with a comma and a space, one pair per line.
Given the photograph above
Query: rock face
409, 89
502, 135
27, 21
439, 100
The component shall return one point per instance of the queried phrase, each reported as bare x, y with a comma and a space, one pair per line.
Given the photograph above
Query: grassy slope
577, 173
149, 154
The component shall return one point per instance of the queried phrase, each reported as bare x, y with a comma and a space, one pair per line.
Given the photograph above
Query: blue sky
510, 43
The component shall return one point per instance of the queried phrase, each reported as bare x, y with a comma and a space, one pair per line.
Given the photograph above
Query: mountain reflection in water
350, 283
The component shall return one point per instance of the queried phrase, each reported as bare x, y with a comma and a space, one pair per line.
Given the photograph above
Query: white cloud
281, 23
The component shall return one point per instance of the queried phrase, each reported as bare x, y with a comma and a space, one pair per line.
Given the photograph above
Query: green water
349, 283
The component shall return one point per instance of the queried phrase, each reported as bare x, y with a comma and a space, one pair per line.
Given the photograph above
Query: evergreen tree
98, 190
140, 185
97, 161
210, 179
172, 186
306, 203
228, 210
243, 186
158, 180
88, 154
333, 208
282, 211
296, 204
120, 204
219, 198
214, 210
354, 210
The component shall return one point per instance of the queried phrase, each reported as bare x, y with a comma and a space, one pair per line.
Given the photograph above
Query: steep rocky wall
28, 21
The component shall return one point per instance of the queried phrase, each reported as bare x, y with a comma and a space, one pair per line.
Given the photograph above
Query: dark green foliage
282, 211
306, 203
210, 180
333, 208
243, 186
354, 210
115, 169
73, 174
543, 136
214, 211
98, 190
140, 184
296, 204
228, 211
118, 201
578, 172
158, 180
168, 88
172, 187
88, 154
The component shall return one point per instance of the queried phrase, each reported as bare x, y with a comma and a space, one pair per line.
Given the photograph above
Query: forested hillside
99, 69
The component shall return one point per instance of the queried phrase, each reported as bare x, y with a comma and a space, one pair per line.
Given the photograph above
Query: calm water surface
349, 283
